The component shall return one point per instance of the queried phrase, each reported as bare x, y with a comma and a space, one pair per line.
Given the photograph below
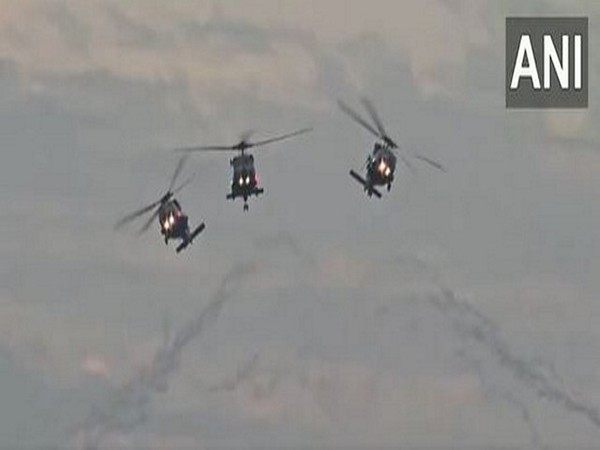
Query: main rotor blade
136, 214
178, 169
357, 118
206, 148
373, 113
182, 185
431, 162
408, 164
149, 222
243, 144
279, 138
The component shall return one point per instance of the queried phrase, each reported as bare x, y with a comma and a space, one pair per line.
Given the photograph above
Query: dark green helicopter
173, 222
381, 163
245, 182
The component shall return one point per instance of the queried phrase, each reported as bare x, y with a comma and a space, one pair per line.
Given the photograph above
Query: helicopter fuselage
381, 165
245, 181
173, 222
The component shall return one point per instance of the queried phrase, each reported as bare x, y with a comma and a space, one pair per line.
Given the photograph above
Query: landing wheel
245, 206
389, 186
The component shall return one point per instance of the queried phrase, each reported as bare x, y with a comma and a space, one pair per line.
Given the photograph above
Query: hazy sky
339, 336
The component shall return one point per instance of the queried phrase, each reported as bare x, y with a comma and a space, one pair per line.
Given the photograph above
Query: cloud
100, 82
29, 333
152, 48
129, 407
271, 51
96, 365
352, 402
483, 331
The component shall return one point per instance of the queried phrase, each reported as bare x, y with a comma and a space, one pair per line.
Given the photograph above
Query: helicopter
173, 222
381, 163
245, 182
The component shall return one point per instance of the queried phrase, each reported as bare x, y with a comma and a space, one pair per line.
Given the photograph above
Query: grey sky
351, 351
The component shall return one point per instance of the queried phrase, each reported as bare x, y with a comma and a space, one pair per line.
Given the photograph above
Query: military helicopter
245, 181
173, 222
381, 163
